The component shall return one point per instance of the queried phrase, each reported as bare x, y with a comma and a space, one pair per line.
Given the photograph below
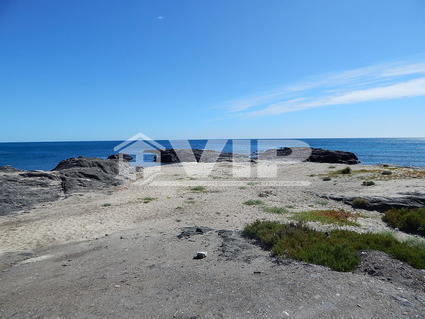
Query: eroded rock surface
20, 190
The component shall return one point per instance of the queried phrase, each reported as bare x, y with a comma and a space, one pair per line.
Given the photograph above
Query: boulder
319, 155
20, 190
171, 156
316, 155
106, 166
125, 157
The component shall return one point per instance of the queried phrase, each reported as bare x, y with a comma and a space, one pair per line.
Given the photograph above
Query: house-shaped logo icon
138, 146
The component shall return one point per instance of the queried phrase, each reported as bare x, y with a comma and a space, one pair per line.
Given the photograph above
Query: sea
408, 152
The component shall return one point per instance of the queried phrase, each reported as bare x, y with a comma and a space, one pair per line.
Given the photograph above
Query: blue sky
105, 70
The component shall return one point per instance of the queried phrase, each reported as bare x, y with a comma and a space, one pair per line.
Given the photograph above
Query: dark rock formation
319, 155
8, 169
383, 203
21, 190
170, 156
106, 166
87, 173
125, 157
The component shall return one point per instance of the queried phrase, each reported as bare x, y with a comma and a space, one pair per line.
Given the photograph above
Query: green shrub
326, 179
253, 202
387, 173
106, 205
275, 210
408, 220
360, 203
368, 183
338, 250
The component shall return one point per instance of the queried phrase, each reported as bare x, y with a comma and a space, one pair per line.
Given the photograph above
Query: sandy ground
116, 254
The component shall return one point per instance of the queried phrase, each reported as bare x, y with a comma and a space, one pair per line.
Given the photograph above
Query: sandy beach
116, 253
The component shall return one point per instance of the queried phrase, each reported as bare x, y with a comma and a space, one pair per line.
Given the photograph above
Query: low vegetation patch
275, 210
252, 183
407, 220
147, 200
338, 250
254, 202
338, 217
106, 205
368, 183
198, 189
326, 179
360, 203
345, 171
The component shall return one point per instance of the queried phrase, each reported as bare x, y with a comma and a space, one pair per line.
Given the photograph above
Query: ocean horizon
371, 151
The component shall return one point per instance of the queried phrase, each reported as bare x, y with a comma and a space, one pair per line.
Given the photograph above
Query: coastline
130, 233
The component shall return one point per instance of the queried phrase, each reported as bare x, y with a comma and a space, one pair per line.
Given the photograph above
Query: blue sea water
45, 155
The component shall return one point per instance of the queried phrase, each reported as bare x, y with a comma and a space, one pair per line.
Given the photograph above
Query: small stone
200, 255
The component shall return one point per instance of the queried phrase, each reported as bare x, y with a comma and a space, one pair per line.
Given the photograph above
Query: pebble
201, 255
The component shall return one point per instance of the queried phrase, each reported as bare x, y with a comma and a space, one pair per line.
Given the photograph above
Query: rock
169, 156
316, 155
384, 203
125, 157
82, 173
191, 231
8, 169
266, 193
29, 188
200, 255
319, 155
20, 192
86, 178
106, 166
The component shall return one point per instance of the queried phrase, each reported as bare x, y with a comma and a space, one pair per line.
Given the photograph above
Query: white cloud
373, 83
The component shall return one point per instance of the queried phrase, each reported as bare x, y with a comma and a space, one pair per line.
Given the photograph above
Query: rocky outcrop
170, 156
20, 190
316, 155
8, 169
125, 157
319, 155
383, 203
23, 191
